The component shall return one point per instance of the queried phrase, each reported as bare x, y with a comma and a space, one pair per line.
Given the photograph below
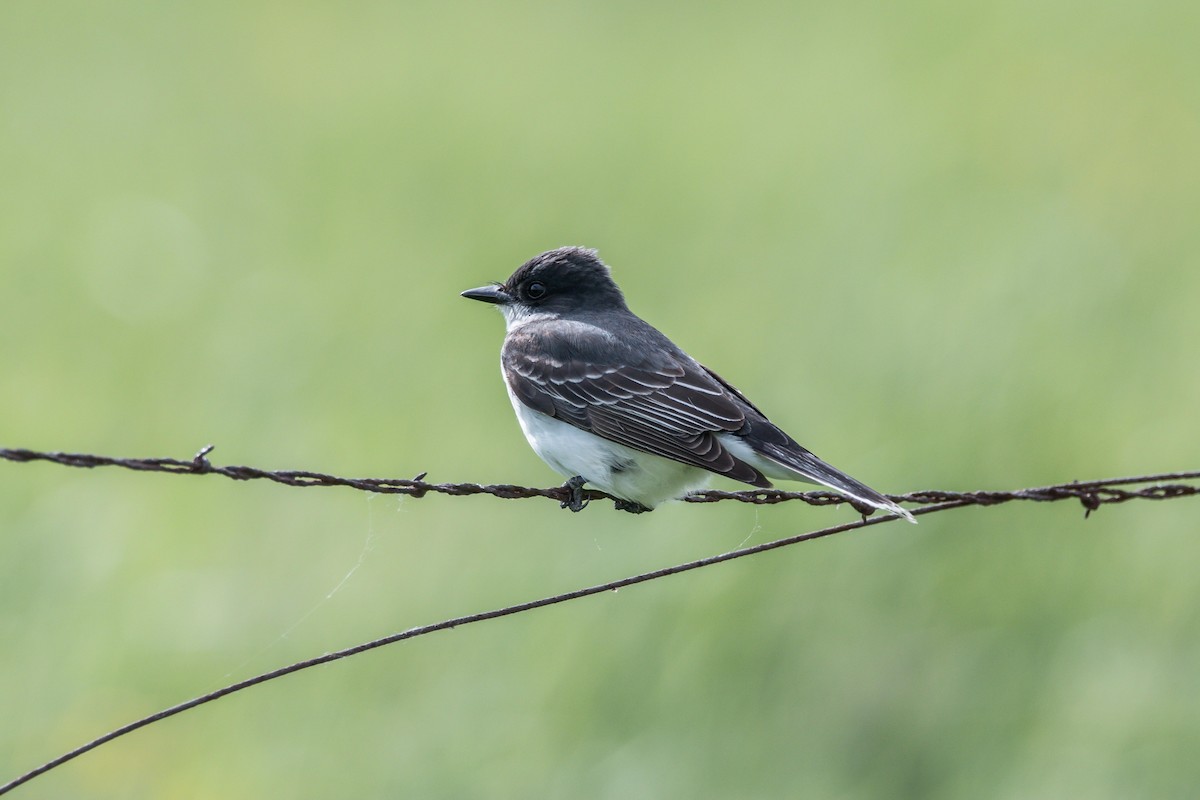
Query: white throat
516, 315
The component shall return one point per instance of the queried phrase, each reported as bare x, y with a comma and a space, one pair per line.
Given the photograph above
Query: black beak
489, 294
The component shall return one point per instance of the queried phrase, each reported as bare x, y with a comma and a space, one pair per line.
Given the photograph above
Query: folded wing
656, 401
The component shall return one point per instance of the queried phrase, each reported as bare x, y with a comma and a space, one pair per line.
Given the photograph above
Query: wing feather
665, 404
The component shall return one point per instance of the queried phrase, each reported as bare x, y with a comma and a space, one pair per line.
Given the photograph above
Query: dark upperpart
565, 279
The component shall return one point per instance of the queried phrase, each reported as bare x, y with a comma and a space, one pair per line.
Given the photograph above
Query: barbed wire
1092, 494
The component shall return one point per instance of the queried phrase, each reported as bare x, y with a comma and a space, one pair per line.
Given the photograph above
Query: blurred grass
959, 243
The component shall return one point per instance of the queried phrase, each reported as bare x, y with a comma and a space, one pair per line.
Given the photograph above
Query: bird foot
576, 502
862, 508
632, 506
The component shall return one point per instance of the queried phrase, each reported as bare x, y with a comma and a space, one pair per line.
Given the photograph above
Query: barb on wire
1091, 494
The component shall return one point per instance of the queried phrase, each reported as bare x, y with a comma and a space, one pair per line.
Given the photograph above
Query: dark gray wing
650, 397
772, 442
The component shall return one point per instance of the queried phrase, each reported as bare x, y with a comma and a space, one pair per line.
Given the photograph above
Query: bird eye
535, 290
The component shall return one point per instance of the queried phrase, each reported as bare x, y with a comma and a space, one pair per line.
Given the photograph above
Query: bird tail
799, 464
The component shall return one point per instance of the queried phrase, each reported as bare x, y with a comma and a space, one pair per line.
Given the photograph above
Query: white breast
621, 471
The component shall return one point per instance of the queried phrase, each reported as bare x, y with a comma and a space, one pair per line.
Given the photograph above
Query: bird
607, 400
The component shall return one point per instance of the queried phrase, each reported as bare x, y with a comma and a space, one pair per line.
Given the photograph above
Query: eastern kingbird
608, 400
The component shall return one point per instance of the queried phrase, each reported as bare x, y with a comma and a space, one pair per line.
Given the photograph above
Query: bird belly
608, 466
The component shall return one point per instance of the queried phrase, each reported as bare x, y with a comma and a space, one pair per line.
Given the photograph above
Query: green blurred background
959, 245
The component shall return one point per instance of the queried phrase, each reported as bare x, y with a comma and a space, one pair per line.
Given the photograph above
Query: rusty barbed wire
1092, 494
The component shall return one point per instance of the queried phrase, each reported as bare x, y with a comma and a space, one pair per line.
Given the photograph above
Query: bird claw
576, 502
